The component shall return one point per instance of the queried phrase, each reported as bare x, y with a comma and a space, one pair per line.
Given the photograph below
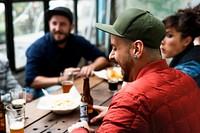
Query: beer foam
18, 101
17, 125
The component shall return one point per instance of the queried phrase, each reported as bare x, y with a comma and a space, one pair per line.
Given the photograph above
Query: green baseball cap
137, 24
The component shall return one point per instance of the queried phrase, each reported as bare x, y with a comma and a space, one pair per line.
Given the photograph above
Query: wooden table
42, 121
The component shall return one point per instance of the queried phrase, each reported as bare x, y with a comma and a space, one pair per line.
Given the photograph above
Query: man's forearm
99, 63
44, 82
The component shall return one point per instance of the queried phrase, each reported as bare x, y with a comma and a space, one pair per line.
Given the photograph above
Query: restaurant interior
21, 19
24, 21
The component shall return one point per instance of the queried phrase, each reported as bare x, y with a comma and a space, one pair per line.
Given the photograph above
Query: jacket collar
152, 67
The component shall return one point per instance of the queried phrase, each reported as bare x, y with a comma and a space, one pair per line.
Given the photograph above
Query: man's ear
138, 47
72, 27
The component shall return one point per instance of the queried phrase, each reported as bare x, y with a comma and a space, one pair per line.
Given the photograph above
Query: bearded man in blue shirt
59, 51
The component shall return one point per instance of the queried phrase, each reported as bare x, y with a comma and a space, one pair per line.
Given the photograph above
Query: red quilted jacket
161, 100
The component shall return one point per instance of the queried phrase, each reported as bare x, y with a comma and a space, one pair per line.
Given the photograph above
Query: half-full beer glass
16, 118
18, 97
67, 81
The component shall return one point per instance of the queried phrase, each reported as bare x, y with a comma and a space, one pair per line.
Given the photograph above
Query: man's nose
111, 56
57, 27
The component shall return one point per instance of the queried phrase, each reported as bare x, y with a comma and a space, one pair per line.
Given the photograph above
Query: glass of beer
16, 118
18, 97
113, 79
67, 82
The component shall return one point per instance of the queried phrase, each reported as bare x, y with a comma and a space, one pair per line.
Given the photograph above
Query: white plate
103, 73
62, 103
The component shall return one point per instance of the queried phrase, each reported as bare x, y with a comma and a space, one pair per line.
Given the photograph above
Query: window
25, 23
86, 11
2, 30
86, 16
28, 24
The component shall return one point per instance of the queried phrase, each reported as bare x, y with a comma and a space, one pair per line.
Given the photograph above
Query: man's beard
127, 67
59, 42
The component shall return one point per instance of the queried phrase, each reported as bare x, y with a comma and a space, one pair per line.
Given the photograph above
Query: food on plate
114, 73
62, 103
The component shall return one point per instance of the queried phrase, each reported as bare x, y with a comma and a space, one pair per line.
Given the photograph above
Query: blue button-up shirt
45, 58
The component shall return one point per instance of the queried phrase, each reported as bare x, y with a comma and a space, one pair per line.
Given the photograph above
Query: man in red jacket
156, 98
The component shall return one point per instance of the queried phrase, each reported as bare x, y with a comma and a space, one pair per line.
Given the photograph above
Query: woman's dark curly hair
186, 21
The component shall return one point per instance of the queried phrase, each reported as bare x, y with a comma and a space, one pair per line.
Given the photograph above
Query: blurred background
23, 21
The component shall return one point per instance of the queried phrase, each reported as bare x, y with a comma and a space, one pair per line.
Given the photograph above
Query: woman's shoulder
193, 53
196, 47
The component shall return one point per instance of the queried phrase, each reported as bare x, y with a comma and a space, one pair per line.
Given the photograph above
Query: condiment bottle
2, 117
86, 105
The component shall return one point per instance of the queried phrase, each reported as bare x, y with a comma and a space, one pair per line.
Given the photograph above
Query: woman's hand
102, 110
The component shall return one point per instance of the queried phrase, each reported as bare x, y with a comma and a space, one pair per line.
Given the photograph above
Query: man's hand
86, 71
71, 70
102, 110
29, 96
83, 124
80, 72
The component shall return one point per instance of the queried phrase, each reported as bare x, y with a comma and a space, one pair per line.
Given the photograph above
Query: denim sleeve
192, 68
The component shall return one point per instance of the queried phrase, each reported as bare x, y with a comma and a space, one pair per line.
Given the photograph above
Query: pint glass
67, 82
16, 118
